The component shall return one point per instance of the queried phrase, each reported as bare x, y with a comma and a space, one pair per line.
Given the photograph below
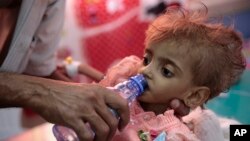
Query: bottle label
128, 90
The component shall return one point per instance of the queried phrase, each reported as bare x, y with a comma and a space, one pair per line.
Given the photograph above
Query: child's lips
146, 90
148, 86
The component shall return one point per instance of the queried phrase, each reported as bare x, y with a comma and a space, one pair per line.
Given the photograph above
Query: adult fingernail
175, 103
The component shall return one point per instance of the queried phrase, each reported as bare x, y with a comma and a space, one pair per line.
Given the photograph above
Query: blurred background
101, 32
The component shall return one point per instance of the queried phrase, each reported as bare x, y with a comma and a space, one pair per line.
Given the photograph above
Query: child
184, 58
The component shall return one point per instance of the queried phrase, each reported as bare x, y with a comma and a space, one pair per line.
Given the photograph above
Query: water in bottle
129, 90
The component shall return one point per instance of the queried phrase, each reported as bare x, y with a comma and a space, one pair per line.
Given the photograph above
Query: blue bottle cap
140, 81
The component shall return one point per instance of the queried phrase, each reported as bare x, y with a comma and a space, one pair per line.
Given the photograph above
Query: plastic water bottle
129, 90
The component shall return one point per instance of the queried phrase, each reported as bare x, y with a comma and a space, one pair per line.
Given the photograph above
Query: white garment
36, 35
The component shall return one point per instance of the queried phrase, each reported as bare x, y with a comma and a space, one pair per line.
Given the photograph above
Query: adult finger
109, 118
83, 131
179, 107
120, 105
99, 127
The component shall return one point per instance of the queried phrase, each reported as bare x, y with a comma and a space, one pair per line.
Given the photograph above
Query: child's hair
215, 50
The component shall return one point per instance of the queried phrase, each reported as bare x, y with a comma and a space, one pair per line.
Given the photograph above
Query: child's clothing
145, 126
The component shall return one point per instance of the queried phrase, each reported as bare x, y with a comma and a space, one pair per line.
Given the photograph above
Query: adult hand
180, 109
73, 105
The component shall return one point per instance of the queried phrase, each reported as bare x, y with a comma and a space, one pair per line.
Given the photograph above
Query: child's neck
156, 108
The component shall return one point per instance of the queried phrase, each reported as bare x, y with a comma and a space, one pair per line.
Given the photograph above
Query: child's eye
167, 73
145, 61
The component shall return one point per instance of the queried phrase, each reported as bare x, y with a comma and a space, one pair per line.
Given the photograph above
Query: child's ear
197, 97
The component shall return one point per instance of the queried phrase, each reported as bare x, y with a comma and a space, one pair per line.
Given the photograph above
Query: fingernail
175, 103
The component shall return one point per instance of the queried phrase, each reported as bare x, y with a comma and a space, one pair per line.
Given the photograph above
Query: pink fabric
154, 125
120, 72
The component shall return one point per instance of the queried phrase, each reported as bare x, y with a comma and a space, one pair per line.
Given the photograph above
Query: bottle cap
140, 81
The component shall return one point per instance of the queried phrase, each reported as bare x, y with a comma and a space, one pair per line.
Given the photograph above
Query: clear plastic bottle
129, 90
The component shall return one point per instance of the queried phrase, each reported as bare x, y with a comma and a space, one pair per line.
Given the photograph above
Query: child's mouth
146, 91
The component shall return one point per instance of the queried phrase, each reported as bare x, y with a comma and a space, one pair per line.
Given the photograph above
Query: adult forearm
66, 103
20, 90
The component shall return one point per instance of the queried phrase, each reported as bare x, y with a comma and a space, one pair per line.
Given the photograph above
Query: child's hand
122, 71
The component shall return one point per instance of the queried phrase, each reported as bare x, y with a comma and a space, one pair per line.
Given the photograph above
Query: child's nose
146, 71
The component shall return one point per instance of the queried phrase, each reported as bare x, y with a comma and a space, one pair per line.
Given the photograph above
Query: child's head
189, 59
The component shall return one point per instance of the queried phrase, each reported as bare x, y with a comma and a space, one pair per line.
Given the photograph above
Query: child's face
167, 68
